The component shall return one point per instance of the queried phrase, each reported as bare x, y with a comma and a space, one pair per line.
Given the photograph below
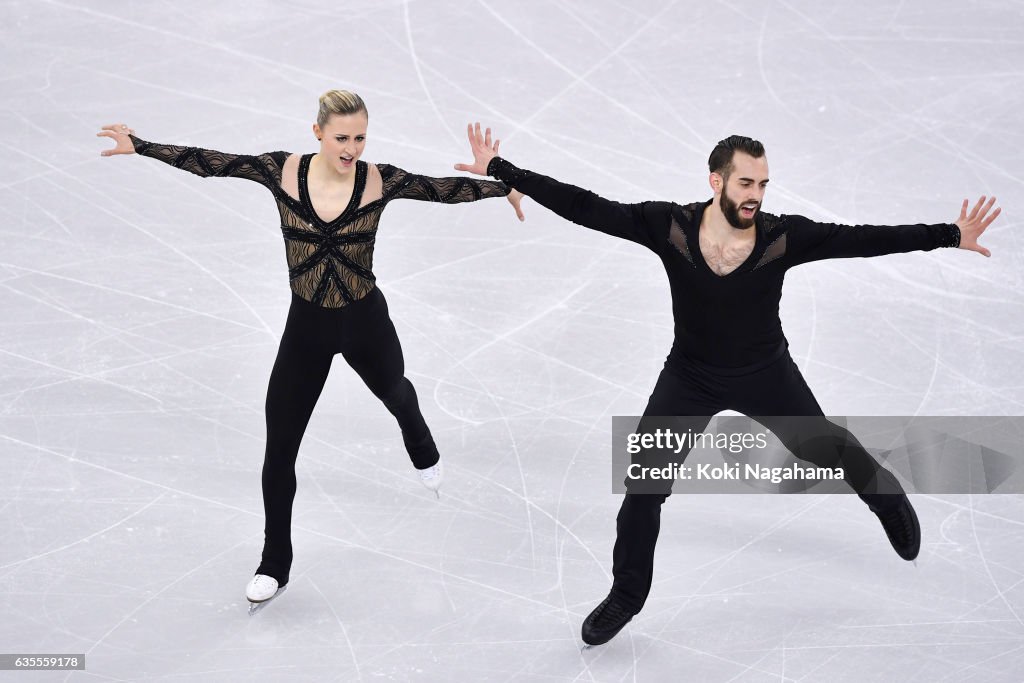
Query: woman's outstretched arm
400, 184
263, 169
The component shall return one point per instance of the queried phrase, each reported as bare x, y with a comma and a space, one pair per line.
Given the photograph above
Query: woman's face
342, 140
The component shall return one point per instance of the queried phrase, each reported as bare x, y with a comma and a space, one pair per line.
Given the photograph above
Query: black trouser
778, 389
363, 333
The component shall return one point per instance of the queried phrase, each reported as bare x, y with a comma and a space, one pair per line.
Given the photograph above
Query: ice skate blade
255, 607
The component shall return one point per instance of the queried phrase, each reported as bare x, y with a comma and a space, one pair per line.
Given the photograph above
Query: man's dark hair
720, 160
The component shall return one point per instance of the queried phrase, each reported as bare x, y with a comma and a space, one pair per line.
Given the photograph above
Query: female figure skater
330, 204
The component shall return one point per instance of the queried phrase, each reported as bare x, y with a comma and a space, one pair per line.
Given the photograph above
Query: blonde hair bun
339, 102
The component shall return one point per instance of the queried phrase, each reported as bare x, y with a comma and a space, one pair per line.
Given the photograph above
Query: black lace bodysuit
330, 263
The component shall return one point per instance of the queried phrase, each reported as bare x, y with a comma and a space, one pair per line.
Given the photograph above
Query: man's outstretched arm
811, 241
645, 223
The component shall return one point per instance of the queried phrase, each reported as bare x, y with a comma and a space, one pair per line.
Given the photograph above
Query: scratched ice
142, 309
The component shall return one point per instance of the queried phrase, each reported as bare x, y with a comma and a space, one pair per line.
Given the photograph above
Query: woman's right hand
119, 133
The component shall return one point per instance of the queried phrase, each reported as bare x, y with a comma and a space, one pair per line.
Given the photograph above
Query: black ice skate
901, 526
605, 621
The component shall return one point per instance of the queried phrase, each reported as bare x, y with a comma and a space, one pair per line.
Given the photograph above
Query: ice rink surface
142, 307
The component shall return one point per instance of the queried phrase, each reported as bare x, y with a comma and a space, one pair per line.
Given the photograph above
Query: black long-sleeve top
726, 321
330, 263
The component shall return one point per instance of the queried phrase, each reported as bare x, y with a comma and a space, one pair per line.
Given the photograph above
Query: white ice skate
432, 477
261, 591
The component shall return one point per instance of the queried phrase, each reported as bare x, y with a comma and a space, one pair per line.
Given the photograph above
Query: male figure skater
726, 260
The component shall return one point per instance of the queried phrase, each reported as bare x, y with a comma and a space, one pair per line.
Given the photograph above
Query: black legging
688, 389
363, 333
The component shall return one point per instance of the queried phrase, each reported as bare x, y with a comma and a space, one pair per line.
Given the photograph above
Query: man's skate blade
255, 607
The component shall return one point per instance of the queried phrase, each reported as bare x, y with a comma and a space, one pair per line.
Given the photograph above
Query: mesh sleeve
399, 184
264, 169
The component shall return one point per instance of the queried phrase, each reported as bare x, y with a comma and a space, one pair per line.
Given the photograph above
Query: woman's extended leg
370, 345
303, 362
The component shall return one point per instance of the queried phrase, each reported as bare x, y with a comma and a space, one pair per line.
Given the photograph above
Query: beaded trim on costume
504, 170
951, 236
770, 221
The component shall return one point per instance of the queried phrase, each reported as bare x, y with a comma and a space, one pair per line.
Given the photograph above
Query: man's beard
731, 210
